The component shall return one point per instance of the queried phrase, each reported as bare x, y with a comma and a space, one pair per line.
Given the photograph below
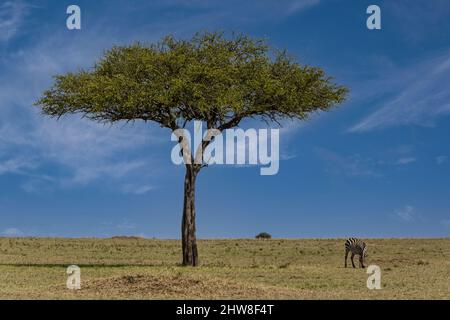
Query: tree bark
188, 238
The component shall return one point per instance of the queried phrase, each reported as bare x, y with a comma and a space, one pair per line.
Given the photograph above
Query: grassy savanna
135, 268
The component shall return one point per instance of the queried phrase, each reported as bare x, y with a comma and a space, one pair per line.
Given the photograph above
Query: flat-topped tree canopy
210, 78
213, 78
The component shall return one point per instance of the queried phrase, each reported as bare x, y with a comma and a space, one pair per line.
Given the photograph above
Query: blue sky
377, 166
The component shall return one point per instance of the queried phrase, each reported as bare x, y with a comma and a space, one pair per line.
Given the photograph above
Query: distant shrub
127, 237
263, 235
284, 265
422, 263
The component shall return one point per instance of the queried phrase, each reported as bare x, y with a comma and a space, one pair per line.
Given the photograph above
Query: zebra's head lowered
364, 253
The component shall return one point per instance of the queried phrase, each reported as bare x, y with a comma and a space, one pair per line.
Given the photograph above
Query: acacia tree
211, 77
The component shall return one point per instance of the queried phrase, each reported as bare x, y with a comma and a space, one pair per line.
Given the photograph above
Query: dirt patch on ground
154, 287
401, 261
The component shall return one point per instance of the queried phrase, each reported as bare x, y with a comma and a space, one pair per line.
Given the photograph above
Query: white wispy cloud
422, 100
441, 159
12, 232
12, 15
404, 161
401, 155
299, 5
248, 11
126, 225
84, 150
136, 189
86, 174
16, 165
423, 18
353, 165
39, 184
407, 213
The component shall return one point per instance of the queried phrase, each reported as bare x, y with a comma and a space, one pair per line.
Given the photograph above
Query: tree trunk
188, 238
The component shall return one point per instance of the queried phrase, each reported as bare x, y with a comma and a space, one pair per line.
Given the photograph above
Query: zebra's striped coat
356, 247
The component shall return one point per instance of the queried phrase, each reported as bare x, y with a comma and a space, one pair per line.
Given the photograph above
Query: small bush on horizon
263, 235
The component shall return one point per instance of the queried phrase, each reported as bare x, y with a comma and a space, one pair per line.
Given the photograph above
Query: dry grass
137, 268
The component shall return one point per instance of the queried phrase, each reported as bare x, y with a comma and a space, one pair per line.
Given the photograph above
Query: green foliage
210, 77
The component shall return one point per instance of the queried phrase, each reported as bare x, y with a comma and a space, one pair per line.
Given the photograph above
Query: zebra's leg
361, 262
346, 255
351, 258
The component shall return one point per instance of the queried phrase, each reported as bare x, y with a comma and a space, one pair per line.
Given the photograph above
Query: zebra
356, 247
